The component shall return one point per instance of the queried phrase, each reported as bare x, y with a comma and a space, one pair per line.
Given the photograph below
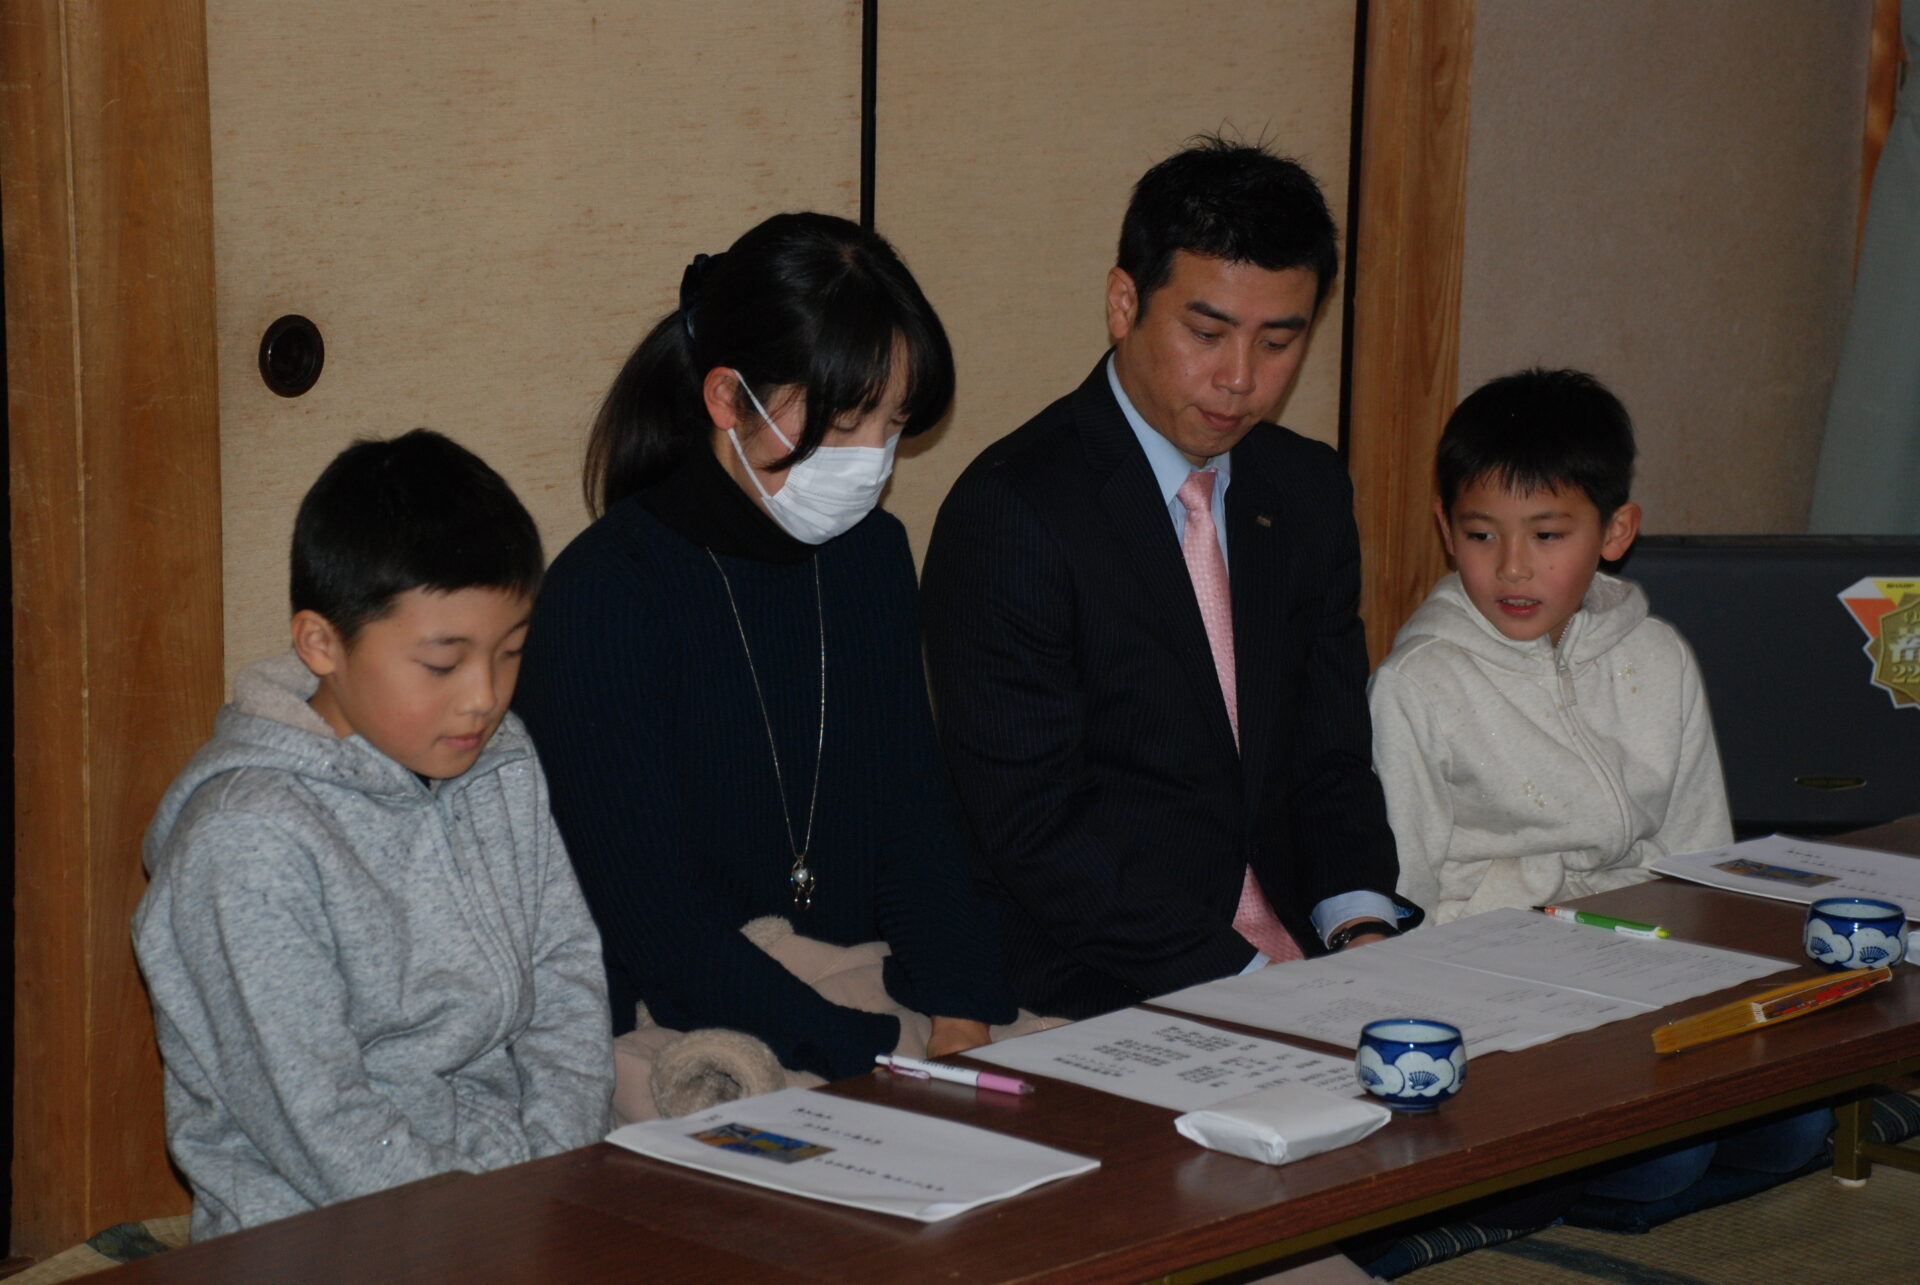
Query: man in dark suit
1157, 720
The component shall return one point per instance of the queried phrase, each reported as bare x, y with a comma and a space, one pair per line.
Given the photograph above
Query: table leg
1849, 1130
1855, 1153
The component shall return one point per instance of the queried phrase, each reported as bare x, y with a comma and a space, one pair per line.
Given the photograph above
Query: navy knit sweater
638, 695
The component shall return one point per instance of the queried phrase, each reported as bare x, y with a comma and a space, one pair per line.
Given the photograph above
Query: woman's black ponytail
804, 301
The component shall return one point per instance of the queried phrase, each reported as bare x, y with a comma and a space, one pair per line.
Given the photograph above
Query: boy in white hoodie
1538, 734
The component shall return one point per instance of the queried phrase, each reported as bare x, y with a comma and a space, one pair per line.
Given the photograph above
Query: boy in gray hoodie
368, 958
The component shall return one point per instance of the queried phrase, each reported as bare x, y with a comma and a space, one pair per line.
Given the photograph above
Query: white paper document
1509, 979
853, 1153
1788, 869
1168, 1061
1531, 947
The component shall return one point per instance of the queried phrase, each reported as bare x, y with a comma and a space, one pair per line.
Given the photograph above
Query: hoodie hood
269, 725
1609, 612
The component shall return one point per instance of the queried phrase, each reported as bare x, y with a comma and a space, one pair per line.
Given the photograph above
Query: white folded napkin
1286, 1122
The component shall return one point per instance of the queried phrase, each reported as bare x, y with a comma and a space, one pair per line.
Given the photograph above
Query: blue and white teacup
1411, 1063
1856, 932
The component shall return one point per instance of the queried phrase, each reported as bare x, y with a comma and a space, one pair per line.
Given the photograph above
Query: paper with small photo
853, 1153
1783, 868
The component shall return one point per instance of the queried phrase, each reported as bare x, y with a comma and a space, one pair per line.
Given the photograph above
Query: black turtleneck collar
700, 500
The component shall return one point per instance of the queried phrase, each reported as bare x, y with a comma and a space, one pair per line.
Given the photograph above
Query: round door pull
291, 355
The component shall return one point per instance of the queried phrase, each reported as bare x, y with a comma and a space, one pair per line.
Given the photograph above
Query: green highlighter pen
1625, 927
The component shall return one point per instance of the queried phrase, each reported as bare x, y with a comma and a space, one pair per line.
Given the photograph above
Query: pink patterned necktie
1254, 919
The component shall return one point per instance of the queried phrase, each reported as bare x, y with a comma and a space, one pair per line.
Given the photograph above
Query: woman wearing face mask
723, 676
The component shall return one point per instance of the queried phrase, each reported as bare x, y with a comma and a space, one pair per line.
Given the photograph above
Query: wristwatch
1360, 928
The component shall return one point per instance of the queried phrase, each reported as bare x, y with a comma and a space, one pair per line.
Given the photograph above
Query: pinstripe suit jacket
1082, 717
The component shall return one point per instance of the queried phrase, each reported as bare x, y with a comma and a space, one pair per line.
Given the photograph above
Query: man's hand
956, 1035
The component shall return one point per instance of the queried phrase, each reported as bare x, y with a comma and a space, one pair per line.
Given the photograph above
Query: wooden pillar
106, 192
1886, 59
1408, 240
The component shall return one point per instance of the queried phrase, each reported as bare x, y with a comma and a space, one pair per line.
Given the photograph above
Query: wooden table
1158, 1207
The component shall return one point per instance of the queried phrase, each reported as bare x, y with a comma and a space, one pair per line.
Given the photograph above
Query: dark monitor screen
1812, 668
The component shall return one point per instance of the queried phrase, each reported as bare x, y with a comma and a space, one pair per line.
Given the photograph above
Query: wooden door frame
105, 162
1407, 244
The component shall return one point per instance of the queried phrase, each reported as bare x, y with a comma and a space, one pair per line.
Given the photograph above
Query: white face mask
828, 492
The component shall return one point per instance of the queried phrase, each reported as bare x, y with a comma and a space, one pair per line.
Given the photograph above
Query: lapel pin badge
1263, 519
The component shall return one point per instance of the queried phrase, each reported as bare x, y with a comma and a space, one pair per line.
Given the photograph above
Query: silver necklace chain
801, 877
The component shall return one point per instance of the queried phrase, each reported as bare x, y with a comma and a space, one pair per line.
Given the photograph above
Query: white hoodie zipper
1576, 730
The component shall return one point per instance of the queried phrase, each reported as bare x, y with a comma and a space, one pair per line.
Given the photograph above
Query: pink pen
952, 1074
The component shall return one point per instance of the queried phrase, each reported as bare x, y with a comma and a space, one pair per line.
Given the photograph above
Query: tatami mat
1809, 1229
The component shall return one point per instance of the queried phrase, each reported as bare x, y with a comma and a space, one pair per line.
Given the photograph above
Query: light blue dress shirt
1170, 470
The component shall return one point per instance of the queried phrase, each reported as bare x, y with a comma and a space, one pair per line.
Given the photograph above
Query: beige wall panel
1664, 192
1009, 136
483, 206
